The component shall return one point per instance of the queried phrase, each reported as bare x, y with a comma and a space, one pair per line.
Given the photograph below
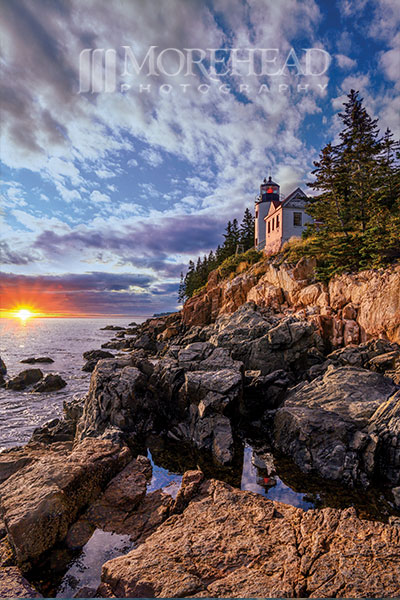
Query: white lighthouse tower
269, 191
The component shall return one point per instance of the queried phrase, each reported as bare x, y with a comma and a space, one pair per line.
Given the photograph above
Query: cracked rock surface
230, 543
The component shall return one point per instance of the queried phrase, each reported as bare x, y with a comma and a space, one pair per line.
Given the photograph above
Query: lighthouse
269, 192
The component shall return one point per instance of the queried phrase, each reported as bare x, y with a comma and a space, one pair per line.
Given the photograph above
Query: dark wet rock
24, 379
14, 585
79, 534
146, 342
116, 344
263, 342
384, 426
73, 409
92, 357
111, 328
246, 324
117, 397
210, 397
323, 425
42, 499
56, 430
380, 355
234, 544
287, 344
97, 354
3, 368
264, 392
41, 359
50, 383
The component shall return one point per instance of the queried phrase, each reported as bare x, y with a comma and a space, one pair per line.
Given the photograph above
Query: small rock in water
93, 357
51, 383
41, 359
23, 379
3, 368
111, 328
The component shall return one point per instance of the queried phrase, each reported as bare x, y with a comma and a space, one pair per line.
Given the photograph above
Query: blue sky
107, 195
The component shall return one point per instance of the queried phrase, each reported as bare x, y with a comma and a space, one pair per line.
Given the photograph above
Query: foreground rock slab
229, 543
41, 500
14, 585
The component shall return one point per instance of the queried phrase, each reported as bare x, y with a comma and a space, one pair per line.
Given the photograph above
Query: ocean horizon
63, 339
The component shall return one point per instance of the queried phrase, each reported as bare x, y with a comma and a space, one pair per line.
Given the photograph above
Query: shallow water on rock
273, 487
85, 570
162, 479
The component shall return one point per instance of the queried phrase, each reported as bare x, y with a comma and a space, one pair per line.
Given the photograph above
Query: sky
133, 131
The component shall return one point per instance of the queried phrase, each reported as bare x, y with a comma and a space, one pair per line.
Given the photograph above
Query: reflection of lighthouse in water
269, 191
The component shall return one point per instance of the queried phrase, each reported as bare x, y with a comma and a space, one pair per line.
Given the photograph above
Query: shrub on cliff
231, 264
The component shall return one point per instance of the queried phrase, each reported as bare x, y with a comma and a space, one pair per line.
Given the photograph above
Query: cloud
152, 157
12, 257
345, 62
97, 196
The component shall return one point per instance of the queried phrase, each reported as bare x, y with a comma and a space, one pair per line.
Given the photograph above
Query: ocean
63, 340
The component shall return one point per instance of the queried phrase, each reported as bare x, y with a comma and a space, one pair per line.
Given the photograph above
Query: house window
277, 221
273, 222
269, 226
297, 221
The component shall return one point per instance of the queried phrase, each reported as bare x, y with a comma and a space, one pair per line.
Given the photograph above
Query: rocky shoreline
311, 373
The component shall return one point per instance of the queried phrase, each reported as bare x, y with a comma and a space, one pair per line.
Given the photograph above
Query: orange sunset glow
24, 302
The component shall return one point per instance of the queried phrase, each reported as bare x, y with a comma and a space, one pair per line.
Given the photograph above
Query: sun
24, 314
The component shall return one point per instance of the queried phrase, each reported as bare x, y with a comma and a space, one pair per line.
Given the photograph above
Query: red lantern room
269, 190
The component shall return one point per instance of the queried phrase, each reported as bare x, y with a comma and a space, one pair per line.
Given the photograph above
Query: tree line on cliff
237, 239
356, 211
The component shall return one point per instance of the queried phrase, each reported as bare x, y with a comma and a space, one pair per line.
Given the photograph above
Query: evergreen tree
330, 208
357, 158
181, 290
229, 245
246, 237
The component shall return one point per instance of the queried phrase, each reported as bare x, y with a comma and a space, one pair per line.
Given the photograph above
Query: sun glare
24, 314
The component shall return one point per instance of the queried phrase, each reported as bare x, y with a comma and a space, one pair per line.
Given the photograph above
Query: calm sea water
63, 340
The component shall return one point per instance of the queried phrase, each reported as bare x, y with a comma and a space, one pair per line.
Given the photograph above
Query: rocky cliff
300, 371
351, 309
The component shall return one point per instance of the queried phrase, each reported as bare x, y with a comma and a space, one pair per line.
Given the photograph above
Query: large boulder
42, 499
210, 397
117, 397
323, 425
24, 379
225, 543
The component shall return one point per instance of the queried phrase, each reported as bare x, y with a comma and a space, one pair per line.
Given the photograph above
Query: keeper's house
278, 219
